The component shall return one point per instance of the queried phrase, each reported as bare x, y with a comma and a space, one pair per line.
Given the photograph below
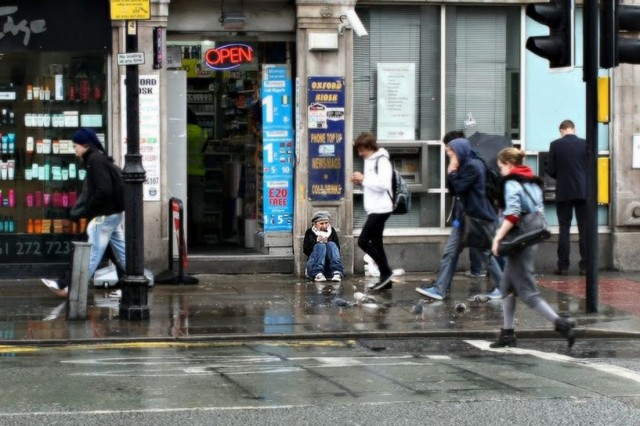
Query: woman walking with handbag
522, 195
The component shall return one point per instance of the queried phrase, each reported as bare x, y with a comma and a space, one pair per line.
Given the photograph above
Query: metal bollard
79, 285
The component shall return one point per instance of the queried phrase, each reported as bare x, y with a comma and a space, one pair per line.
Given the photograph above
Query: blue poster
277, 149
325, 123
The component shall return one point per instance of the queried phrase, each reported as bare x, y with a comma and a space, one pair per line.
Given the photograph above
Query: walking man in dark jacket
104, 204
567, 165
466, 180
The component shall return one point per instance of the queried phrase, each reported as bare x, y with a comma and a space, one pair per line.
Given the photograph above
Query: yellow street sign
130, 9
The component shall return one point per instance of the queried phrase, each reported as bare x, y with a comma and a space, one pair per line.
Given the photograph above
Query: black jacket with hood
467, 184
104, 187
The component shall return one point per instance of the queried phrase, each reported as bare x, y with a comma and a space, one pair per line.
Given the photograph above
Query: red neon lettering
230, 54
212, 56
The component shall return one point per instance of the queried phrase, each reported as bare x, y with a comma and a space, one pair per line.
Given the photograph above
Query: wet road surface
322, 382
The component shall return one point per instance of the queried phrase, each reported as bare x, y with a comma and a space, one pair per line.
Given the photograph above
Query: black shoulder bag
530, 230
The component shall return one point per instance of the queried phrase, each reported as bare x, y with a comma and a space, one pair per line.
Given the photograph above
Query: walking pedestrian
376, 184
522, 195
103, 204
568, 166
466, 175
322, 247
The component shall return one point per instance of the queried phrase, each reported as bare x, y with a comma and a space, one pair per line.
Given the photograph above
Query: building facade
422, 69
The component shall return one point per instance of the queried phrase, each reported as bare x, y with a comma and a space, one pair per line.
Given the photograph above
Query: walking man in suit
567, 165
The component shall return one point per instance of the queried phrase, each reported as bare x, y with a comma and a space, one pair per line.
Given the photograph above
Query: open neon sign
228, 57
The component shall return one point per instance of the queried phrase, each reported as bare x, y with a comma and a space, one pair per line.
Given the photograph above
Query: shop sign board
42, 26
228, 57
278, 148
396, 101
130, 9
34, 248
149, 107
326, 130
131, 58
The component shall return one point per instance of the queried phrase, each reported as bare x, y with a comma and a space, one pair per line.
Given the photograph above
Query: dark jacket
105, 189
467, 184
311, 239
568, 166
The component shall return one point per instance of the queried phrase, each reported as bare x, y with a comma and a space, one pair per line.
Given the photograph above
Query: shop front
239, 65
53, 79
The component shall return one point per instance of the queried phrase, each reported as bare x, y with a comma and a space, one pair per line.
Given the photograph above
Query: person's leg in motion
564, 212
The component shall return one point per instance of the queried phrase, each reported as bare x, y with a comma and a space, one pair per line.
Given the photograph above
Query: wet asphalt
274, 306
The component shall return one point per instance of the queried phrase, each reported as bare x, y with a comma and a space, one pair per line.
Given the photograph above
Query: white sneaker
55, 312
337, 277
53, 286
320, 278
115, 294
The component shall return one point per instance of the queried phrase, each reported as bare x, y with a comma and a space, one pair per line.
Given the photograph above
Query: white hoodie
377, 186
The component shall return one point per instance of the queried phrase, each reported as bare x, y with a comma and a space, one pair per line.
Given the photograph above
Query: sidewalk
225, 307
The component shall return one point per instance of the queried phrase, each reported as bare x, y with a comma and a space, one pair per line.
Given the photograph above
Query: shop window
406, 35
44, 98
481, 81
482, 69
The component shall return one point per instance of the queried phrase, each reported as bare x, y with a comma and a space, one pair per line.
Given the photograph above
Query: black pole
181, 246
590, 77
133, 305
171, 233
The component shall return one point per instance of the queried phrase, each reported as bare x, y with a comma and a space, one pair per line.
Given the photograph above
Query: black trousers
564, 211
370, 241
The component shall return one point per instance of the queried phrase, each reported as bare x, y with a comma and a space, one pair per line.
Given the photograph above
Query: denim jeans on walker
450, 260
102, 231
325, 259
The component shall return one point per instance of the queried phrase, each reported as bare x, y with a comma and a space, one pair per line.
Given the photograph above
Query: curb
581, 333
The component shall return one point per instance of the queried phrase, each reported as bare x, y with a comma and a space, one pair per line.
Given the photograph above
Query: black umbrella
488, 146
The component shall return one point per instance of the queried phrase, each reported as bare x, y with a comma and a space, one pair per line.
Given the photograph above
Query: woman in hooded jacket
522, 195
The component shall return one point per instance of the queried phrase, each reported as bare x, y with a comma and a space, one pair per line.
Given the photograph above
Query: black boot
507, 339
565, 326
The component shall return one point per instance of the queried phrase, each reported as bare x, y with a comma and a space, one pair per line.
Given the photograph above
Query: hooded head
462, 148
87, 137
320, 215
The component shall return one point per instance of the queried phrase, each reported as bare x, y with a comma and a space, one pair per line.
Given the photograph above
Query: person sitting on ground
322, 247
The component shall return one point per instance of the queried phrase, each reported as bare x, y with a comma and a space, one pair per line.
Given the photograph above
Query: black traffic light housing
557, 47
615, 19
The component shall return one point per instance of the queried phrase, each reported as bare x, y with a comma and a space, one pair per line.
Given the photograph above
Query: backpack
492, 184
400, 192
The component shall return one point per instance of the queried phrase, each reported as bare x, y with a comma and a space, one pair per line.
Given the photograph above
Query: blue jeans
102, 231
475, 259
449, 262
325, 258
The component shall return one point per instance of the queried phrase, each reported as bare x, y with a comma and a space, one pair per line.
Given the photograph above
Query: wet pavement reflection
274, 305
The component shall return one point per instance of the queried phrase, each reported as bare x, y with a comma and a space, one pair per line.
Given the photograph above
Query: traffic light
614, 47
557, 47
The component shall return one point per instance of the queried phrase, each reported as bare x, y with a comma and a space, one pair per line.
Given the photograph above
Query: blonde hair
512, 156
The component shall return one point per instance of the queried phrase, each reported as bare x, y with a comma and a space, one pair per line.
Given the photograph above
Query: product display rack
203, 104
40, 176
214, 193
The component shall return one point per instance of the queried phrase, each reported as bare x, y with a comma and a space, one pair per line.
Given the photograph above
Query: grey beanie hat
320, 215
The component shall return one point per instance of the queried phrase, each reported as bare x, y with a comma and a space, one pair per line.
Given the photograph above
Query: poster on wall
396, 101
149, 101
277, 148
325, 126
